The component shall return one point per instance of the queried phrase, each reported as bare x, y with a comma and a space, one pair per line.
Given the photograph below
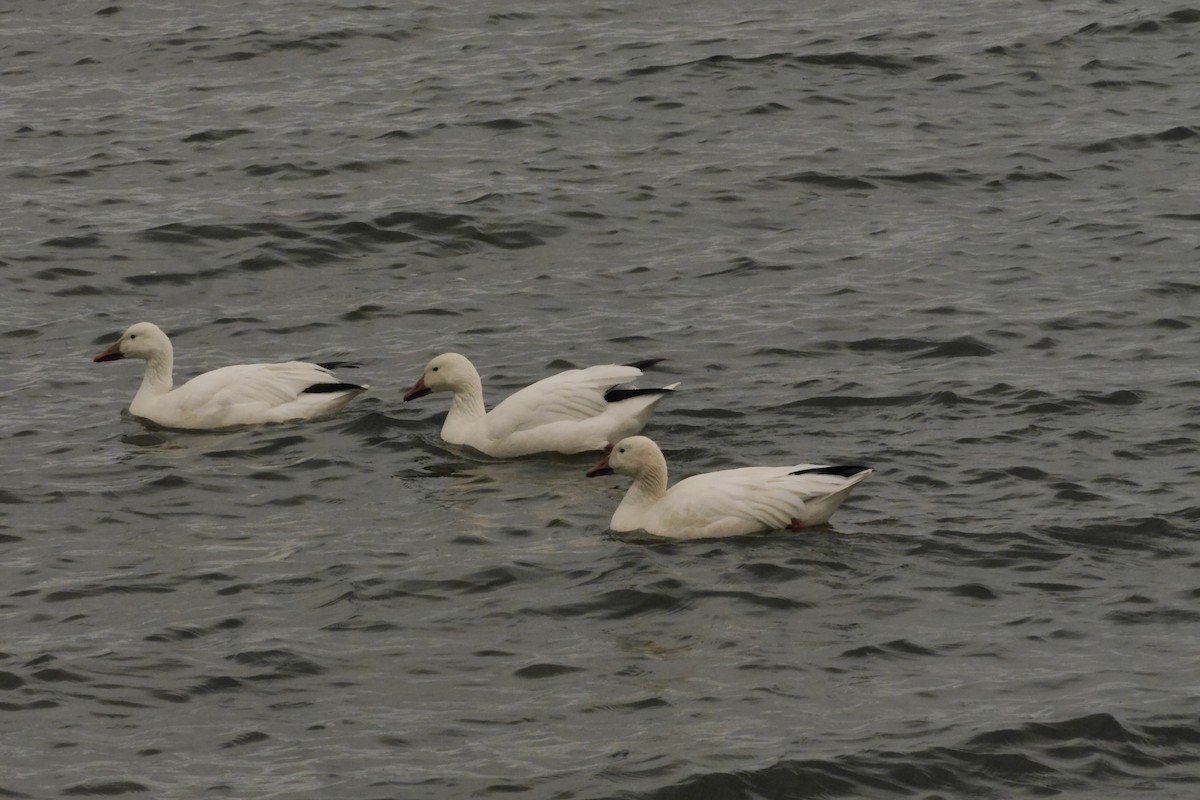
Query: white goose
730, 502
245, 394
571, 412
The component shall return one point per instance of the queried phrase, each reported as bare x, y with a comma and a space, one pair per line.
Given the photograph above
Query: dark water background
954, 240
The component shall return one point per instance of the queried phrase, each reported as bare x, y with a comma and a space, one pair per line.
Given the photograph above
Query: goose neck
650, 484
468, 401
156, 379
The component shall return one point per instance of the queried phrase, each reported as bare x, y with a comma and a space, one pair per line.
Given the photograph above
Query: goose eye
133, 336
435, 369
620, 449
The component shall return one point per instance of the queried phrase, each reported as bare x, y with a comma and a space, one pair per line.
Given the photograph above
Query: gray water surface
954, 241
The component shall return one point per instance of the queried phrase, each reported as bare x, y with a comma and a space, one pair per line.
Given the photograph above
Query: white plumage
726, 503
571, 412
245, 394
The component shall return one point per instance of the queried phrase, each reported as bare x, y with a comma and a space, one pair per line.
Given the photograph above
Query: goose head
144, 340
628, 457
449, 372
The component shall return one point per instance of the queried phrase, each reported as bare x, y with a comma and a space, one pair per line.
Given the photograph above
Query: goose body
244, 394
571, 412
730, 502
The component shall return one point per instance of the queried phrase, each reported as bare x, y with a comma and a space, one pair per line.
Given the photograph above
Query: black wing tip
332, 365
646, 364
841, 471
329, 388
617, 395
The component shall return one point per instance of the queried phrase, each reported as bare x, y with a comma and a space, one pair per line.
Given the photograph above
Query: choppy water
955, 241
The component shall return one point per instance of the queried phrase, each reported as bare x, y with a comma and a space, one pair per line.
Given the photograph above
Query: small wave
454, 227
766, 108
757, 599
1074, 493
171, 278
275, 664
184, 233
58, 675
972, 591
318, 240
1120, 397
845, 60
964, 347
850, 60
1026, 176
1183, 16
1152, 536
258, 448
253, 44
180, 634
825, 180
376, 426
502, 124
80, 242
542, 670
97, 589
212, 685
1039, 403
364, 233
33, 705
898, 648
1117, 85
958, 176
1158, 615
104, 788
854, 401
59, 273
1175, 288
1096, 727
243, 739
1179, 133
744, 266
216, 134
1096, 752
10, 498
619, 604
1171, 324
286, 171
